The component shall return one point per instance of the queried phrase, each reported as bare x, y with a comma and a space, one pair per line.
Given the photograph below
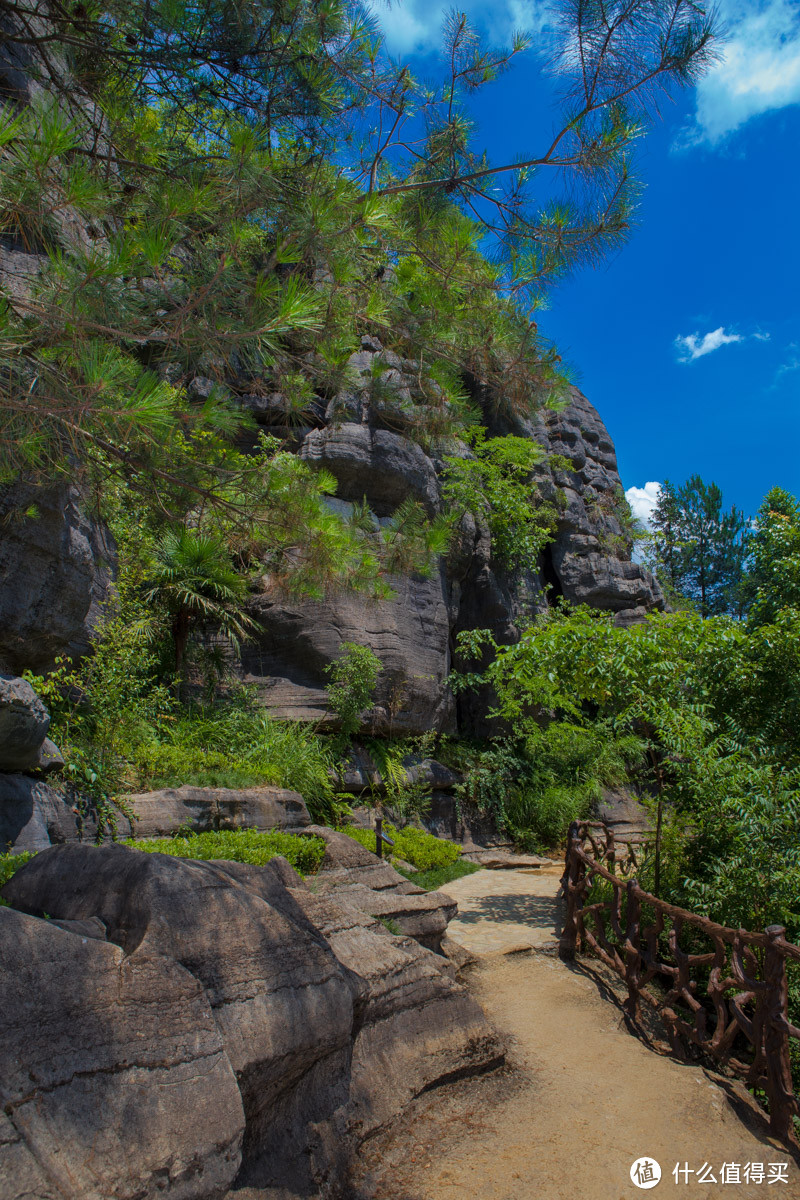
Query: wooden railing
730, 1001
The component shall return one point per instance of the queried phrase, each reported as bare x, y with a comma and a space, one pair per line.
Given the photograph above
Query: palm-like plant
194, 579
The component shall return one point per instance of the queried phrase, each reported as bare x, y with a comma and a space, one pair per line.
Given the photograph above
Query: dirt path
584, 1097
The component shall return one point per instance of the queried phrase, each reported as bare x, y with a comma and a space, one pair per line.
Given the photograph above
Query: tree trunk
180, 636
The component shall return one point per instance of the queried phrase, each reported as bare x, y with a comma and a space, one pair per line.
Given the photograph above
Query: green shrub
9, 863
539, 820
417, 847
352, 681
242, 845
238, 745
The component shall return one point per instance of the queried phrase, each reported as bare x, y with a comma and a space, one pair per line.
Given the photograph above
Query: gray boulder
360, 774
589, 562
329, 1023
24, 722
384, 467
113, 1076
56, 568
353, 875
298, 638
34, 816
162, 813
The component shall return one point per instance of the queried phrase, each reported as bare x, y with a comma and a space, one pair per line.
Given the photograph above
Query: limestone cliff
54, 568
369, 450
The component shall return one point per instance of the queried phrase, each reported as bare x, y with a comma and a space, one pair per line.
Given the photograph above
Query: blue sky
688, 340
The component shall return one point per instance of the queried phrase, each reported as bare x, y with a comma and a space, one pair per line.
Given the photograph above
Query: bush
242, 845
417, 847
238, 745
9, 863
353, 677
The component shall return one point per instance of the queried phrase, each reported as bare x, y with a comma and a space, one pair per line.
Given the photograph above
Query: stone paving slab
502, 911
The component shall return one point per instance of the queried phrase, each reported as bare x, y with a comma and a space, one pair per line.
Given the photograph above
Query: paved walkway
585, 1097
502, 911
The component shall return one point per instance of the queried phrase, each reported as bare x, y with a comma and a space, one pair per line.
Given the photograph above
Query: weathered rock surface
625, 816
113, 1076
327, 1024
361, 774
56, 568
495, 859
588, 562
300, 637
24, 722
351, 873
383, 468
162, 813
34, 816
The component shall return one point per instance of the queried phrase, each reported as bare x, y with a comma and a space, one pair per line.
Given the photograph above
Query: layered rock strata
366, 440
56, 570
291, 1025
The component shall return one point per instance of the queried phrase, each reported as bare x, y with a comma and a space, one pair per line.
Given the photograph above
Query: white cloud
643, 501
758, 72
792, 363
416, 25
694, 346
412, 25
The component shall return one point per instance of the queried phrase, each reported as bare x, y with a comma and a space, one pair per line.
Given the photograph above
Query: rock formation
217, 1023
56, 567
588, 561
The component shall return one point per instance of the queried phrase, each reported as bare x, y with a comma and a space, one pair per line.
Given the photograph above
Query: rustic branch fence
730, 1001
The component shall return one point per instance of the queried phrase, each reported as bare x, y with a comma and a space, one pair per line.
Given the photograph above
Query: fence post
776, 1040
611, 850
379, 836
632, 943
573, 873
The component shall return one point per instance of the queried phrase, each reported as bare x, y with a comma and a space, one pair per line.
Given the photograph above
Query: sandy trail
584, 1097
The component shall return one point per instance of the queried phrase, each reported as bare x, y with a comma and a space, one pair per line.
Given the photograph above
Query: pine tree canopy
698, 550
241, 191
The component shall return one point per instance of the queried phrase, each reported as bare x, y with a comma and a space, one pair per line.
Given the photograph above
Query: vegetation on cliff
240, 193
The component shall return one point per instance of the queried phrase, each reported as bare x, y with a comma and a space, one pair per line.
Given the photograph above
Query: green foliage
534, 786
353, 677
9, 863
400, 796
236, 745
242, 845
712, 708
193, 578
773, 580
415, 846
496, 481
697, 550
105, 706
241, 201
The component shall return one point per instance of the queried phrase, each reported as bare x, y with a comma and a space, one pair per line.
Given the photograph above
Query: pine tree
226, 190
698, 550
773, 580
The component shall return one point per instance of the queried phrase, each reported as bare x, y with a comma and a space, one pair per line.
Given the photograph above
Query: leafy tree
496, 481
698, 550
773, 581
353, 677
248, 184
194, 579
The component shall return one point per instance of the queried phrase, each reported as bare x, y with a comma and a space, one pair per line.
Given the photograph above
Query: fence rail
729, 1000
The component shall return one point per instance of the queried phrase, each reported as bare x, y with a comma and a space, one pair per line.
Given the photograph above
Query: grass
9, 863
236, 747
415, 846
437, 877
241, 845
